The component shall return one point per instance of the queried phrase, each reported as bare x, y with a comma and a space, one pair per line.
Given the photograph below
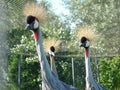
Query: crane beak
29, 26
85, 44
81, 44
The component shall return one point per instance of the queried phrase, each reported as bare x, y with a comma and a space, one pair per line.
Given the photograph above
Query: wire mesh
63, 65
3, 58
11, 15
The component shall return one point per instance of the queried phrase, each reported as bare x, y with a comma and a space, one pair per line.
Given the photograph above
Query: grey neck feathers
49, 80
91, 84
53, 66
41, 54
89, 74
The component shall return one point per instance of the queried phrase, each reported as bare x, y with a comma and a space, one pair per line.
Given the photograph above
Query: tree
109, 72
30, 70
15, 21
15, 32
24, 44
103, 16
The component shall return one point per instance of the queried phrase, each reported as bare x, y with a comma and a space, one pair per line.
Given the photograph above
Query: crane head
84, 42
52, 48
52, 51
32, 23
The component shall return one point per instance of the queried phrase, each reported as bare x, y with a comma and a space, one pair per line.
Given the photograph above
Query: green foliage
110, 72
14, 36
30, 68
30, 77
64, 69
14, 13
56, 28
30, 73
22, 44
103, 16
26, 46
13, 69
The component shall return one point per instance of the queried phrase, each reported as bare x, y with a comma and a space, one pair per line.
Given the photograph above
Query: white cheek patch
87, 43
51, 53
36, 24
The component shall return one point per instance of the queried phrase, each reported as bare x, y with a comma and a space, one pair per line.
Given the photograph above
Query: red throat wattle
86, 52
36, 35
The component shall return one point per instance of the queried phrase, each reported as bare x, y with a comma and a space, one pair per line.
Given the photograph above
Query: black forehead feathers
52, 48
83, 39
30, 19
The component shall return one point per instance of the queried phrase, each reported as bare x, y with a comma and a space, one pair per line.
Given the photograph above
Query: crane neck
89, 74
86, 52
45, 68
90, 82
53, 66
52, 59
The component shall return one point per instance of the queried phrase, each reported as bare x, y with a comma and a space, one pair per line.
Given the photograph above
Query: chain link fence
3, 58
10, 12
67, 65
70, 69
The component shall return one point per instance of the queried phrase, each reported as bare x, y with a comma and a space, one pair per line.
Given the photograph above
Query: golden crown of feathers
52, 42
36, 10
88, 32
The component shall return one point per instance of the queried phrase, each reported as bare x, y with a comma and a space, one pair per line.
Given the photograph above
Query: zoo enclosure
74, 65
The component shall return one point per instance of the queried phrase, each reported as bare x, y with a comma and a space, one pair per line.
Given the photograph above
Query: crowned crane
52, 60
49, 79
51, 46
86, 36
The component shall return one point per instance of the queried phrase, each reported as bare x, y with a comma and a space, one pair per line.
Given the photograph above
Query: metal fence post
73, 76
19, 59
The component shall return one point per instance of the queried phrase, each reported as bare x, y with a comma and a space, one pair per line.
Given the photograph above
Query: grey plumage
49, 80
91, 84
52, 60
